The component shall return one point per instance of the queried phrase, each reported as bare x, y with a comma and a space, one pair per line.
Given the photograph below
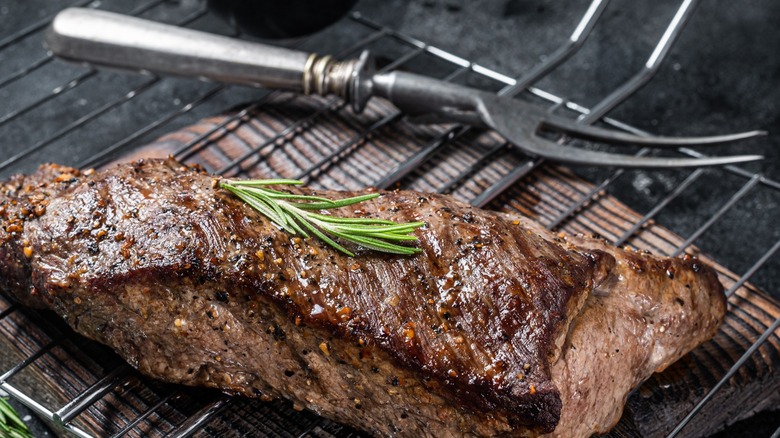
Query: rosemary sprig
293, 213
11, 426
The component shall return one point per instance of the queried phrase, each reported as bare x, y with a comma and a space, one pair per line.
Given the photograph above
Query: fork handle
114, 40
430, 100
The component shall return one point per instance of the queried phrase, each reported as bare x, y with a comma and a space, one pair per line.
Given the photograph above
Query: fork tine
519, 123
553, 151
588, 132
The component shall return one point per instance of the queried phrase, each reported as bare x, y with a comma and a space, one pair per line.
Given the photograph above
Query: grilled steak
497, 327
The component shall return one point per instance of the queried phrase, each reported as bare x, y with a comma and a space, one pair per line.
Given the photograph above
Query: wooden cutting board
288, 134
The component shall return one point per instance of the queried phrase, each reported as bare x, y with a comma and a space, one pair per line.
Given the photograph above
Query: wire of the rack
77, 405
81, 121
70, 85
145, 414
690, 179
27, 361
21, 396
38, 25
47, 58
8, 310
480, 162
194, 422
157, 123
40, 409
752, 182
752, 270
69, 411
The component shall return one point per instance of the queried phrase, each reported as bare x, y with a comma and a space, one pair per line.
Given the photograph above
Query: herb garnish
11, 425
293, 213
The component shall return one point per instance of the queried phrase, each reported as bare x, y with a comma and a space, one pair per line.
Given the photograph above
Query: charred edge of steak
25, 198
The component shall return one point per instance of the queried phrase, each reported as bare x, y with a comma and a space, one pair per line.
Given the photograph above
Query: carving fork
113, 40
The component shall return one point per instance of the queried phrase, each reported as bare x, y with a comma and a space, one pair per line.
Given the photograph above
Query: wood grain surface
288, 136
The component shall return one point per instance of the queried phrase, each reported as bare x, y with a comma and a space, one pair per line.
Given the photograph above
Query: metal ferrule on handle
113, 40
324, 75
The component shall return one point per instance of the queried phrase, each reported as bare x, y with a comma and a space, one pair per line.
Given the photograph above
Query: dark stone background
721, 76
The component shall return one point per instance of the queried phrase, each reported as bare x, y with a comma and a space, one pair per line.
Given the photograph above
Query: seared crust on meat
190, 285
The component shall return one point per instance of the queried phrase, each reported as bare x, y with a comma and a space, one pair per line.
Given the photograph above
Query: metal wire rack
492, 170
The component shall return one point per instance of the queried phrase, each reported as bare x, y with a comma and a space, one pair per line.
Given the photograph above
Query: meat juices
497, 327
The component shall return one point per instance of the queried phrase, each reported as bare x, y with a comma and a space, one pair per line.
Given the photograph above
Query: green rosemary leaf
293, 218
350, 220
324, 237
379, 228
256, 204
294, 214
389, 237
376, 244
340, 203
313, 200
262, 196
10, 423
